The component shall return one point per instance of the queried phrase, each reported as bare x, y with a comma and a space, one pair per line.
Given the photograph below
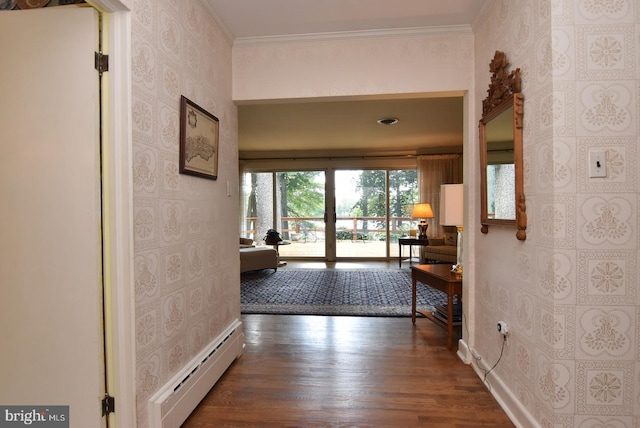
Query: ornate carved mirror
502, 194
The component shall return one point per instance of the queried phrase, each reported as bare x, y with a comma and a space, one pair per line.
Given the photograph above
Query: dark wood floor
312, 371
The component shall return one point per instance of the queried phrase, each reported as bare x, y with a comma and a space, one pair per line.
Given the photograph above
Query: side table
410, 242
276, 246
441, 278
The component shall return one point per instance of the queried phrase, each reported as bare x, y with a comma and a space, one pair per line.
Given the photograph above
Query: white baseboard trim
518, 414
171, 405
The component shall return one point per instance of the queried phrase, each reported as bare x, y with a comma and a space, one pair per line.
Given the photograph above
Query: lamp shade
451, 204
422, 211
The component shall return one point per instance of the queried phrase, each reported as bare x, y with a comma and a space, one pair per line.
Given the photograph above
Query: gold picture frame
199, 140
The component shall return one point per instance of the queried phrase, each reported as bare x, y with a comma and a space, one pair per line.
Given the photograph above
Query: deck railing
357, 227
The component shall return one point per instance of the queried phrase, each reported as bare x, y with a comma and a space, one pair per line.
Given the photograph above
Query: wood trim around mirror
503, 96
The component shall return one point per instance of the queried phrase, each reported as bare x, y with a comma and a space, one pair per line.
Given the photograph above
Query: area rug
376, 292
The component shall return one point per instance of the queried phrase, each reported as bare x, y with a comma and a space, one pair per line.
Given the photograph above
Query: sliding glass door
301, 206
373, 209
333, 214
291, 202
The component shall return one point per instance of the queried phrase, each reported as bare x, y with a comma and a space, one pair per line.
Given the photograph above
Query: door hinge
108, 405
101, 62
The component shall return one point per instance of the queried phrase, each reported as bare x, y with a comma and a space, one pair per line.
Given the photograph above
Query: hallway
301, 371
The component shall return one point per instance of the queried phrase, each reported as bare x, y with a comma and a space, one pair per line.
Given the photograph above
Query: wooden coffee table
440, 277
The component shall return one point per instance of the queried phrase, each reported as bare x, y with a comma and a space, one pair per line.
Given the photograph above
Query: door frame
117, 214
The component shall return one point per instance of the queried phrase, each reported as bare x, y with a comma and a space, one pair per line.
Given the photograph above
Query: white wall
428, 62
187, 285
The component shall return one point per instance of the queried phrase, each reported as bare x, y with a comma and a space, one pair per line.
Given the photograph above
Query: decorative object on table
199, 132
272, 237
452, 214
422, 212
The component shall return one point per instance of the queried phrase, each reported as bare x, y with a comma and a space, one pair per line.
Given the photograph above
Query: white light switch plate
597, 163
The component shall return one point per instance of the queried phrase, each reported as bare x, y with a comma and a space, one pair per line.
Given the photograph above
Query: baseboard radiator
174, 402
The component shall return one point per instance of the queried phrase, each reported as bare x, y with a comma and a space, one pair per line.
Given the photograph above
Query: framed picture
199, 132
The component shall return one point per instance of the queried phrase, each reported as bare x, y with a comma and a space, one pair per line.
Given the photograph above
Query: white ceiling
345, 123
351, 125
264, 18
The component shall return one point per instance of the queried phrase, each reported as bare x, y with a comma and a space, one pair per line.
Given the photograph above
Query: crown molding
216, 18
350, 35
482, 15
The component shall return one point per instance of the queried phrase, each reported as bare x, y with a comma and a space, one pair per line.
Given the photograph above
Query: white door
50, 221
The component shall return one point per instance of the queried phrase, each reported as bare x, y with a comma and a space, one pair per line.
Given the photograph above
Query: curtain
433, 171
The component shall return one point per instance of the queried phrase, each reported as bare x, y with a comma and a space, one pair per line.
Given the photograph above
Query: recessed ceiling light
388, 121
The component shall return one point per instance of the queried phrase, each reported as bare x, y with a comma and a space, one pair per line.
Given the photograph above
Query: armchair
255, 258
443, 249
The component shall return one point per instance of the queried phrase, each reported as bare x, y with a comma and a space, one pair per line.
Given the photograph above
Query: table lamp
452, 213
423, 212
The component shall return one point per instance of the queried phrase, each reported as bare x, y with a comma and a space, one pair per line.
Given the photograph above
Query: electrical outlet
503, 328
597, 163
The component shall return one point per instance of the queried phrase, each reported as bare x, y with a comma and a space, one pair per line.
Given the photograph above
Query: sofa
442, 250
256, 258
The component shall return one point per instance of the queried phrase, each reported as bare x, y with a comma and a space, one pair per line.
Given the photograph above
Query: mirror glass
502, 194
500, 170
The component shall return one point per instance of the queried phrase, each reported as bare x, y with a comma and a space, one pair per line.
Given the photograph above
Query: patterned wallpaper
186, 257
569, 292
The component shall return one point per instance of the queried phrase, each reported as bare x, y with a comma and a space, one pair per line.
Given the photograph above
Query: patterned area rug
340, 292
